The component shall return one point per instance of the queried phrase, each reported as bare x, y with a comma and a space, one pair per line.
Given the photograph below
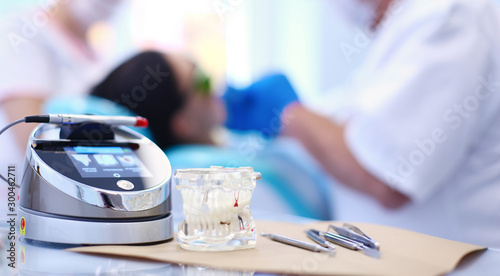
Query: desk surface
37, 258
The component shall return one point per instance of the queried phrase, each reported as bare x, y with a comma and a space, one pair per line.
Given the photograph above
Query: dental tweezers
354, 233
348, 243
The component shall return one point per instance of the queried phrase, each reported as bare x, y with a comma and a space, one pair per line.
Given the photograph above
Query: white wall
301, 38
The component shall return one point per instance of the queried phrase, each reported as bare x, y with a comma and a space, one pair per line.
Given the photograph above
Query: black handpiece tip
37, 119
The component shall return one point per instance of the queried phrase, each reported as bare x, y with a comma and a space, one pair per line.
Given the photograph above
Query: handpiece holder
90, 131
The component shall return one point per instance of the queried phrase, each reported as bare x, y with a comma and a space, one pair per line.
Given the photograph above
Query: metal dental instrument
348, 243
357, 230
298, 243
354, 233
319, 240
337, 239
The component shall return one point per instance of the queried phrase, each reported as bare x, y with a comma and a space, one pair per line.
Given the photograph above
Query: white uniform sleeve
429, 93
25, 66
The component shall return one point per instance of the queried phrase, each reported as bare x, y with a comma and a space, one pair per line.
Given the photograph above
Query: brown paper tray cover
402, 253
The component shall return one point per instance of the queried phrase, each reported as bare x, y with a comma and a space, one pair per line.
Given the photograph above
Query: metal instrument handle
314, 235
342, 241
297, 243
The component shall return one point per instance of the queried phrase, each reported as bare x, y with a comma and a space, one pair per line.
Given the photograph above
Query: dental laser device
87, 179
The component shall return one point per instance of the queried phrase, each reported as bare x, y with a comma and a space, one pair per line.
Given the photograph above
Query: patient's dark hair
146, 85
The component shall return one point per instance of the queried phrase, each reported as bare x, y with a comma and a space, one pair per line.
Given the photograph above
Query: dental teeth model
216, 205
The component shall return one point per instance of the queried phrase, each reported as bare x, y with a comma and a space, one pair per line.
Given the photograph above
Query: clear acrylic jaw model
216, 206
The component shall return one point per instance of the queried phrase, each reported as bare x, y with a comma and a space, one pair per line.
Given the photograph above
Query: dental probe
77, 119
319, 240
298, 243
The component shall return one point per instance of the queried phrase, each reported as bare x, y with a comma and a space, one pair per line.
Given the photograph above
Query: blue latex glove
259, 106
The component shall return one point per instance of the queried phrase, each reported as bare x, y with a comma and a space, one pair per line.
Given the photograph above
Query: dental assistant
418, 144
45, 52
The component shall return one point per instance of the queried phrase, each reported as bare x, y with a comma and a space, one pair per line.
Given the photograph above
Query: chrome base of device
68, 230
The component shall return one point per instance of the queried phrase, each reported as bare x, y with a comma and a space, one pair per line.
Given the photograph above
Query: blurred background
235, 40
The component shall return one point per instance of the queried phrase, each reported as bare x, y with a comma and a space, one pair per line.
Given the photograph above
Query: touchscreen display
112, 162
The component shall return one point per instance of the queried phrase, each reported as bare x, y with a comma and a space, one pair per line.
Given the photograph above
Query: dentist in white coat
418, 144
